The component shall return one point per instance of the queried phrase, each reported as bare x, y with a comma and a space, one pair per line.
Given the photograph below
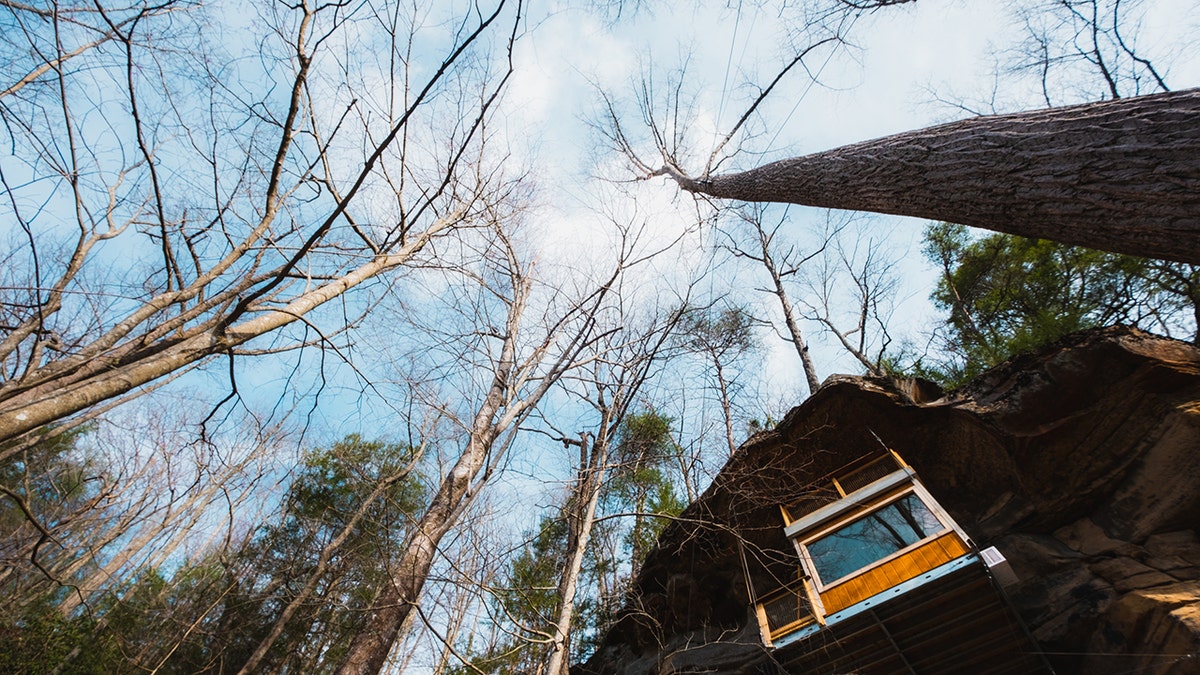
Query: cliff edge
1080, 463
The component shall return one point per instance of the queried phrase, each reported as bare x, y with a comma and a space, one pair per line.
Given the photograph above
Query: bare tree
525, 359
624, 360
116, 507
779, 265
849, 292
1085, 50
205, 214
1118, 175
721, 336
78, 28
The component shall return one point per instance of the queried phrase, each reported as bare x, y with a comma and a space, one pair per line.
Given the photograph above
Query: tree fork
1121, 175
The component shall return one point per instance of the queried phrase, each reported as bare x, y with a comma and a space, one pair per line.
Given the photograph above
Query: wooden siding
893, 572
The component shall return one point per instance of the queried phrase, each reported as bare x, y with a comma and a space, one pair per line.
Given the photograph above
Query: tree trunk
395, 600
112, 375
1120, 175
789, 315
581, 518
726, 410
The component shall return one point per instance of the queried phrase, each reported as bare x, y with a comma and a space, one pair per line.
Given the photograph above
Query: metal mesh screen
811, 502
785, 610
865, 475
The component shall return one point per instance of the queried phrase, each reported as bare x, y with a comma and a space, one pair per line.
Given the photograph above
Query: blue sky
907, 64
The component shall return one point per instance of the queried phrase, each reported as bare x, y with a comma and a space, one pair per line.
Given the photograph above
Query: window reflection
872, 537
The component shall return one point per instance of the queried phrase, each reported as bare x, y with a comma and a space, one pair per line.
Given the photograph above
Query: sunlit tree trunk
580, 519
1119, 175
527, 365
396, 599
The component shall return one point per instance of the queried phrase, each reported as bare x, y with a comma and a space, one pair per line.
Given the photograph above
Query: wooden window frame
943, 518
769, 636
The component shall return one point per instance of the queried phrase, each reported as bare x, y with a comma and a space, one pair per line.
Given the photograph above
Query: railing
785, 610
857, 476
854, 476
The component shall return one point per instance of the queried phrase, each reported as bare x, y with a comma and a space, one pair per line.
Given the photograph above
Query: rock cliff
1081, 463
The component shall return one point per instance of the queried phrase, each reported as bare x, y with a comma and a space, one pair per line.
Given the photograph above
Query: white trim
859, 497
810, 566
884, 560
941, 513
904, 587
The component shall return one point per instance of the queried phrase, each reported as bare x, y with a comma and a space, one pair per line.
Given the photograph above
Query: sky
904, 60
907, 64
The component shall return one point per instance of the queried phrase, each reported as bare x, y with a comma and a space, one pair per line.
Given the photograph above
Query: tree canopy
352, 337
1003, 295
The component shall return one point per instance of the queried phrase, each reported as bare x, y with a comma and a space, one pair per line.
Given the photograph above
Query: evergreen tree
637, 502
211, 613
284, 558
1004, 295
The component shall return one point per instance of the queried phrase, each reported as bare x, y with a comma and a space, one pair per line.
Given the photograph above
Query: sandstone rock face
1081, 463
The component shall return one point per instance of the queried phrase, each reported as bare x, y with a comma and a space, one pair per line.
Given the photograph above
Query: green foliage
51, 477
528, 600
641, 486
281, 558
641, 483
210, 614
42, 638
729, 331
146, 621
636, 503
643, 438
1005, 295
55, 483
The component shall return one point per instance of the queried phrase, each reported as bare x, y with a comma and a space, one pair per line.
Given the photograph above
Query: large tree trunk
1120, 175
394, 602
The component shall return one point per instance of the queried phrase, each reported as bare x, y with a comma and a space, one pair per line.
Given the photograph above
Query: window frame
802, 541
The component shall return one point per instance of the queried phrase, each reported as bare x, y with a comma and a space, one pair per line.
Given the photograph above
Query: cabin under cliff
1080, 463
887, 582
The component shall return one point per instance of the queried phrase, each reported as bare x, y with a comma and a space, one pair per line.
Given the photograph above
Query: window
873, 537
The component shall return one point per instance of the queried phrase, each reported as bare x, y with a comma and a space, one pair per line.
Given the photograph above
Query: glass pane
872, 537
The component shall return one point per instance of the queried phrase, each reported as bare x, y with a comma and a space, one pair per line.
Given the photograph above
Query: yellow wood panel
892, 573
